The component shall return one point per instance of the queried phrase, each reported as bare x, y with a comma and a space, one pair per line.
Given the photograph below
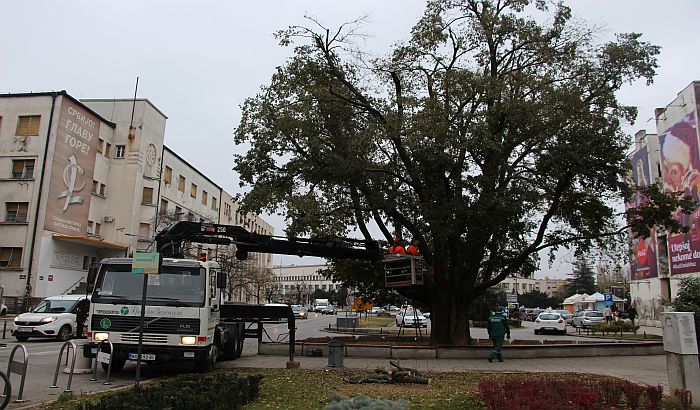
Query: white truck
185, 318
182, 319
320, 305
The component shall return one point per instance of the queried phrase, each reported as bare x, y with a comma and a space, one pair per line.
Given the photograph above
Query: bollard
4, 328
18, 368
103, 357
70, 345
336, 353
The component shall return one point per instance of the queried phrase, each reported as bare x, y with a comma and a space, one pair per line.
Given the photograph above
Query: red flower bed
552, 393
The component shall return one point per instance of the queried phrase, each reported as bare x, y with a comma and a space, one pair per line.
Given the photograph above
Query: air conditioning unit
107, 219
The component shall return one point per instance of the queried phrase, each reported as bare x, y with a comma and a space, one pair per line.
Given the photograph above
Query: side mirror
92, 273
221, 280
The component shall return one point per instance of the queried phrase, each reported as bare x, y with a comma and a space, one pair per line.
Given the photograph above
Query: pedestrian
498, 328
632, 313
608, 314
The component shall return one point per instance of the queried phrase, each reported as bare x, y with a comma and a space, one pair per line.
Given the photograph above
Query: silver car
587, 318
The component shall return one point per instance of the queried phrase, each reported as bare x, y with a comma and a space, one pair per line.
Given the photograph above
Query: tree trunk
450, 319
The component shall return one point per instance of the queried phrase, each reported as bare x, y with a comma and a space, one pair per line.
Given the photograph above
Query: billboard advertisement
680, 164
70, 183
643, 259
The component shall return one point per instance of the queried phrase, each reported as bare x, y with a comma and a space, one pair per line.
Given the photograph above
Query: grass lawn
373, 321
313, 389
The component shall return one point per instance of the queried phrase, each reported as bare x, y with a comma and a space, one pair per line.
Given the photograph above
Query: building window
163, 207
144, 230
205, 198
100, 145
10, 257
28, 125
95, 186
227, 209
86, 262
22, 169
103, 187
120, 150
214, 205
178, 211
181, 184
89, 227
193, 191
16, 211
190, 216
147, 196
97, 228
168, 175
108, 148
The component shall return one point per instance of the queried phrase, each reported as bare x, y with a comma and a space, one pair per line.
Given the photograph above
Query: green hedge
615, 327
189, 391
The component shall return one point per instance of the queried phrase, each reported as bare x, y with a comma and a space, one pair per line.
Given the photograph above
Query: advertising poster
680, 166
643, 259
68, 203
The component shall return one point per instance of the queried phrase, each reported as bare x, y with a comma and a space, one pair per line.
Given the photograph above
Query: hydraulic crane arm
169, 242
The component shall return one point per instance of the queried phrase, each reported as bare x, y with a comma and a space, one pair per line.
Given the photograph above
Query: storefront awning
96, 243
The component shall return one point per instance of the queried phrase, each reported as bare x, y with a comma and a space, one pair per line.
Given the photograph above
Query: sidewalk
640, 369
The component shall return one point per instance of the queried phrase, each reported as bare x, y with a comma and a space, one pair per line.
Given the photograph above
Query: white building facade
83, 180
298, 283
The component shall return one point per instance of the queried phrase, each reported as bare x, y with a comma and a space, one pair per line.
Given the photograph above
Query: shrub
684, 398
615, 327
522, 393
633, 394
654, 396
364, 402
611, 390
188, 391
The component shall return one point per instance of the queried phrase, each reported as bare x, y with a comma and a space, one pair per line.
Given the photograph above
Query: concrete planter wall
474, 352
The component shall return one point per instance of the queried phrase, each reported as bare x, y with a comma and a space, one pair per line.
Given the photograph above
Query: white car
411, 318
550, 321
55, 317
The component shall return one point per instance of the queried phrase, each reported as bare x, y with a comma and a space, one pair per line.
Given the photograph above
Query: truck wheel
205, 360
117, 365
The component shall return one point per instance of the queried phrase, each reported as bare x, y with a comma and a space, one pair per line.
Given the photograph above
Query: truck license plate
134, 356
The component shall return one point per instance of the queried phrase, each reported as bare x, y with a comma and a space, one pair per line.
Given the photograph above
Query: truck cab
182, 316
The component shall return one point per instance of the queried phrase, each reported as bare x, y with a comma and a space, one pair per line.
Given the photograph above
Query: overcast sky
198, 60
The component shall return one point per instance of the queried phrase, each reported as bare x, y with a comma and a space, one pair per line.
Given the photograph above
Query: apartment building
81, 180
669, 158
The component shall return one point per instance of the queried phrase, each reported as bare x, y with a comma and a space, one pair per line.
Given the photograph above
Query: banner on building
643, 250
72, 171
680, 163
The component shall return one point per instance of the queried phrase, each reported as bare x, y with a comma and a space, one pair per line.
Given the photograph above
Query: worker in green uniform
498, 328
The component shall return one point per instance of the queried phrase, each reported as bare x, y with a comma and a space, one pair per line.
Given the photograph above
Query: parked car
568, 316
3, 309
587, 318
532, 315
300, 312
328, 310
376, 310
411, 318
550, 321
55, 317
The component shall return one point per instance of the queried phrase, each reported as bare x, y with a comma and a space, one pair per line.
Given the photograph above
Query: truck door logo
124, 311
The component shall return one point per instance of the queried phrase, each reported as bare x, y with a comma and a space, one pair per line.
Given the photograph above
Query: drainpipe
28, 286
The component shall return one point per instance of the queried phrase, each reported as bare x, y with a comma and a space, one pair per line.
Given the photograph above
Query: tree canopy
489, 136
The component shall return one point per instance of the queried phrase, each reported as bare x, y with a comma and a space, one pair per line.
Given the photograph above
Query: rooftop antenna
132, 129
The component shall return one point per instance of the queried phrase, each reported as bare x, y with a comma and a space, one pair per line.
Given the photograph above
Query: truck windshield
175, 286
